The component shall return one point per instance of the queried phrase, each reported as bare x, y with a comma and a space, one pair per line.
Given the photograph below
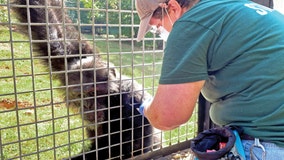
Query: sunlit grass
36, 132
46, 131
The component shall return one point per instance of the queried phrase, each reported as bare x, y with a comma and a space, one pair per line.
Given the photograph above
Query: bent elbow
164, 127
162, 122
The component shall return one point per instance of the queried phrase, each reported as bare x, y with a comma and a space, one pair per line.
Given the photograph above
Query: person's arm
173, 104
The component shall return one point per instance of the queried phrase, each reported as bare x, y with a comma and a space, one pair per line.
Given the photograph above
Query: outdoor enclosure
56, 102
42, 118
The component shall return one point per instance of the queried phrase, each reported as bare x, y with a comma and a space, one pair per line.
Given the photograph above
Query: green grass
19, 128
45, 132
22, 136
184, 132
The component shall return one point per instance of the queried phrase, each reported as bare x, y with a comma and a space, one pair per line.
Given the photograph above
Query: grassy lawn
50, 130
43, 132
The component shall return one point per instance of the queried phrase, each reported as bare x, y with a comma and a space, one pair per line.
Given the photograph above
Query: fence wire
71, 81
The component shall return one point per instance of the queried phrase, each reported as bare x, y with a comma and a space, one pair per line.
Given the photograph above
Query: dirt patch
11, 104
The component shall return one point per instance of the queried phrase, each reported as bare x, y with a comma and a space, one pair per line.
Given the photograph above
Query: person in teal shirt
231, 51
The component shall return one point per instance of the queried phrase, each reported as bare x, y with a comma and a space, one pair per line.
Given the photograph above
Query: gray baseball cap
145, 9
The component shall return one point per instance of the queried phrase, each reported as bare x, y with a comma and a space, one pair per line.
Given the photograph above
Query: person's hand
146, 103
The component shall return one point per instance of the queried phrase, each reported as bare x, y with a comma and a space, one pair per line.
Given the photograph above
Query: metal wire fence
71, 81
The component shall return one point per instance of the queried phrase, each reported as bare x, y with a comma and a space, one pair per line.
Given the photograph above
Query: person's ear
175, 9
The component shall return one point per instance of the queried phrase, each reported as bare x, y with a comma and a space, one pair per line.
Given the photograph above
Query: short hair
158, 13
184, 3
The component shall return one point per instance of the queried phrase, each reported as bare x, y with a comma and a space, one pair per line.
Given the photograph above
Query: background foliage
111, 16
3, 11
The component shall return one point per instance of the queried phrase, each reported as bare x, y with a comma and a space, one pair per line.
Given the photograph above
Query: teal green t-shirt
237, 46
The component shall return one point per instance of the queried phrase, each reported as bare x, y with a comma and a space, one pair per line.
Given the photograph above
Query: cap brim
144, 27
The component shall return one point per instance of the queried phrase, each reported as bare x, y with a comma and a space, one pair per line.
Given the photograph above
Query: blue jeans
273, 152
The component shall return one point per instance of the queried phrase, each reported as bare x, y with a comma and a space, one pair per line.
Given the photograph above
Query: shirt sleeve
185, 58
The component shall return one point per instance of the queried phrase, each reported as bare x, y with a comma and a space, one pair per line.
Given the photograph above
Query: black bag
218, 143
